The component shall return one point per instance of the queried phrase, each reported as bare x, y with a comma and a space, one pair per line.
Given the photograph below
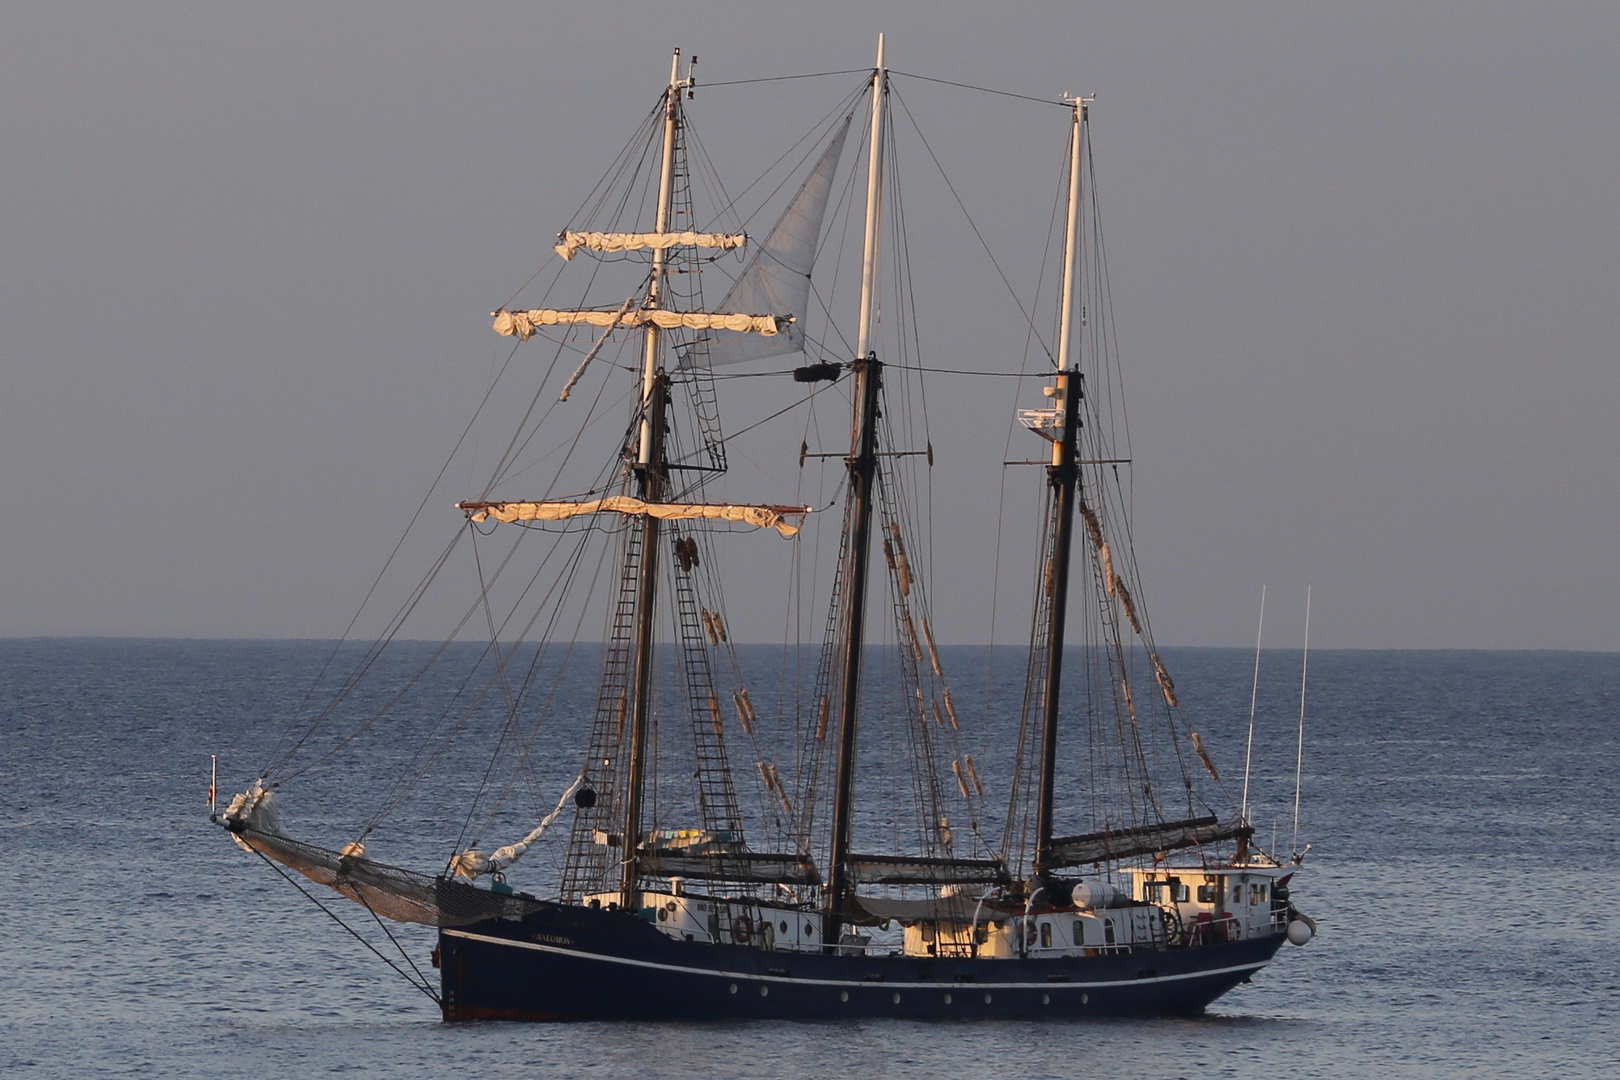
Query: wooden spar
874, 206
1062, 476
650, 483
862, 467
655, 287
1062, 479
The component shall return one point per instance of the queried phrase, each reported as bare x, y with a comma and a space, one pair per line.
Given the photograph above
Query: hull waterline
569, 963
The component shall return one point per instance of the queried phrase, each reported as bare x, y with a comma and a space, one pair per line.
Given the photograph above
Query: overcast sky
1365, 257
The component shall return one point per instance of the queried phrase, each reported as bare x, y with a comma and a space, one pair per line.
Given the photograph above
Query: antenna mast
1299, 758
1254, 696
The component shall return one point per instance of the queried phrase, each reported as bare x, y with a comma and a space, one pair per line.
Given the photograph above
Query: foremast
650, 474
862, 465
607, 852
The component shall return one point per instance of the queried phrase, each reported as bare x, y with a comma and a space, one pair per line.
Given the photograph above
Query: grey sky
1364, 258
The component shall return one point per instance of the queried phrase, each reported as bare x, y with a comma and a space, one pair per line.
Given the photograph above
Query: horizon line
17, 638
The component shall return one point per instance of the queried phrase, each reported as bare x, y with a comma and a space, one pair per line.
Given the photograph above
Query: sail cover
1142, 840
922, 870
522, 324
570, 242
777, 278
762, 517
748, 866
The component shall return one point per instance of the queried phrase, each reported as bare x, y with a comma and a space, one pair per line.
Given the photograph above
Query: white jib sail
777, 278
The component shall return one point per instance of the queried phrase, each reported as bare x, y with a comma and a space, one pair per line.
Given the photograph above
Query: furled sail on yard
761, 517
570, 242
777, 278
522, 324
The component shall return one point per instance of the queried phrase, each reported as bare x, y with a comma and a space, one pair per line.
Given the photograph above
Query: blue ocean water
1464, 874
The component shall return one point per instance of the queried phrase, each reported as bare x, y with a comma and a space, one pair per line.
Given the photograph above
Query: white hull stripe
711, 973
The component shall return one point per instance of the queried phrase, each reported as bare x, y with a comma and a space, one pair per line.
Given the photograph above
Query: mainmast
1062, 476
650, 475
862, 463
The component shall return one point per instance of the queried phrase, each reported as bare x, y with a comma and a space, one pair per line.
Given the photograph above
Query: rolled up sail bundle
471, 864
522, 324
762, 517
761, 868
568, 243
925, 870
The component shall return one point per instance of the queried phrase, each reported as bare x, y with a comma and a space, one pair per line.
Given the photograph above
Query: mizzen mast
1062, 476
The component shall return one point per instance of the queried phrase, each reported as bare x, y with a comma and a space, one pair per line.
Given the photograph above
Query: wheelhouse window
1046, 933
1207, 894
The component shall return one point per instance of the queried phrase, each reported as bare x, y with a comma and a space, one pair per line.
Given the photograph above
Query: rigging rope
983, 89
785, 78
422, 986
1028, 318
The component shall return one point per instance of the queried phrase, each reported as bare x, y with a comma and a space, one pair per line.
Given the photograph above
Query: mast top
874, 208
676, 83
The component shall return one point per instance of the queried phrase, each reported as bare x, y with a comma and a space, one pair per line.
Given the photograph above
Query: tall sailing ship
868, 874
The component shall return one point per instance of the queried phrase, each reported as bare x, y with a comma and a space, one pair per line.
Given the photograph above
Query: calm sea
1465, 873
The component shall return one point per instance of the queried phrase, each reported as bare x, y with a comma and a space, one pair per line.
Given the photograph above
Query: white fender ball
1299, 932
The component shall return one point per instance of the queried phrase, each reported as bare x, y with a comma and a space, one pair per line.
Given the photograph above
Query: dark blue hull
572, 963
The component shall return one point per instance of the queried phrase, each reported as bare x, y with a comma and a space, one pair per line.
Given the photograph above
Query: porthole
987, 999
843, 995
733, 988
1085, 999
764, 991
947, 999
1046, 999
809, 931
784, 926
897, 999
